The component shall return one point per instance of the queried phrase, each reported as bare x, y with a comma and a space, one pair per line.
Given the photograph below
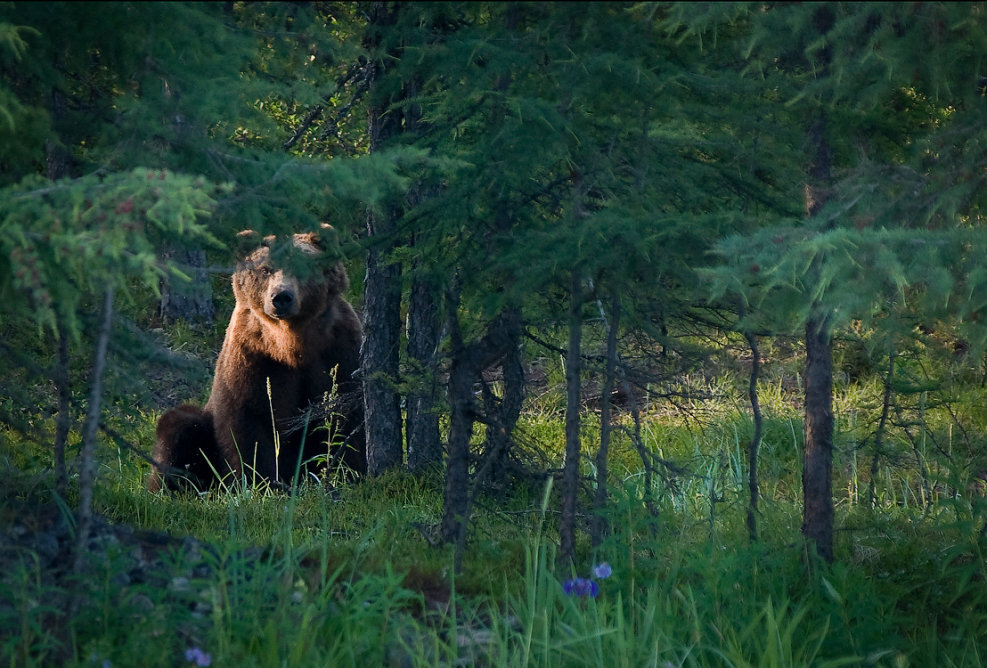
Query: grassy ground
350, 577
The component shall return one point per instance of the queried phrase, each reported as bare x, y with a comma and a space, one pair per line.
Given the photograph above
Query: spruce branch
361, 68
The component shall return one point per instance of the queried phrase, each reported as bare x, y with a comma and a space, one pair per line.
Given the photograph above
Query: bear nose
282, 301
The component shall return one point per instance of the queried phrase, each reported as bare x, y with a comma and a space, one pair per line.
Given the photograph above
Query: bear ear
321, 240
337, 280
308, 241
247, 241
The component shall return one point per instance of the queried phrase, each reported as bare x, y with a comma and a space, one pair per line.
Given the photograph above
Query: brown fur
291, 328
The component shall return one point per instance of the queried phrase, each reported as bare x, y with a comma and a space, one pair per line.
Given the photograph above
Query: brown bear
288, 365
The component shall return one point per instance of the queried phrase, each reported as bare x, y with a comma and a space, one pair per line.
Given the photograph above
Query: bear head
290, 280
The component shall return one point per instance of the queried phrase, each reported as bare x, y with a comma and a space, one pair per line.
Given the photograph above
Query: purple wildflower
198, 657
580, 587
602, 571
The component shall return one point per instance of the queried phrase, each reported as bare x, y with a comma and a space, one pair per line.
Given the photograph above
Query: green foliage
63, 242
625, 140
903, 219
347, 577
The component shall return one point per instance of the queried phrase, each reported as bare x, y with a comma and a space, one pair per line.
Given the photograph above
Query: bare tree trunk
817, 466
879, 433
379, 356
573, 375
456, 499
507, 410
755, 443
424, 443
57, 167
190, 301
63, 421
88, 466
468, 361
600, 528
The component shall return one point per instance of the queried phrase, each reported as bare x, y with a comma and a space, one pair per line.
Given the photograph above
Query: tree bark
190, 301
87, 455
507, 410
817, 466
468, 361
456, 497
600, 528
379, 356
570, 469
63, 421
879, 432
424, 443
755, 444
57, 166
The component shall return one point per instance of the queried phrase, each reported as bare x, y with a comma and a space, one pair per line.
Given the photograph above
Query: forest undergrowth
353, 574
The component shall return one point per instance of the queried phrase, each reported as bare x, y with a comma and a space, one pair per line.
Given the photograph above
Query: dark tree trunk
455, 513
570, 470
600, 528
87, 456
57, 166
382, 292
191, 300
755, 443
468, 361
63, 421
817, 467
379, 353
507, 410
424, 444
879, 433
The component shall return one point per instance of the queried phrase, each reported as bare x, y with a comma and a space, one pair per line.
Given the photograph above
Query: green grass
348, 578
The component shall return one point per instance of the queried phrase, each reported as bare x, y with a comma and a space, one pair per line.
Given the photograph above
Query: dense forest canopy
505, 177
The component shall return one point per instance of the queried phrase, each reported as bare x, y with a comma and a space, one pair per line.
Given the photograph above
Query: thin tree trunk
600, 528
570, 470
63, 422
468, 361
88, 466
879, 433
455, 514
57, 160
424, 444
817, 467
755, 444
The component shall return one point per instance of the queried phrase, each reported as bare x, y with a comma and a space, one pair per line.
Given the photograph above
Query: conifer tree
119, 101
889, 91
542, 172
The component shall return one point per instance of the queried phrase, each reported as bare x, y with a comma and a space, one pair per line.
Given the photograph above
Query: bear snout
283, 300
283, 303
